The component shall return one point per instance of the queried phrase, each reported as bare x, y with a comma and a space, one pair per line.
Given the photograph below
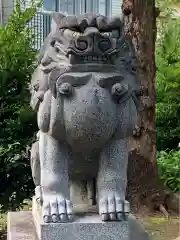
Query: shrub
168, 86
17, 120
15, 177
169, 168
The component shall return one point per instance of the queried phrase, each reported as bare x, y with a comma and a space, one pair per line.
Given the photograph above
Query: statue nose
46, 60
91, 31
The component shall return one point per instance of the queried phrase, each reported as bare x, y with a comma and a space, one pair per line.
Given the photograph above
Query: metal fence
41, 27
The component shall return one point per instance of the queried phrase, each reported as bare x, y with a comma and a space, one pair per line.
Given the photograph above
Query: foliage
169, 168
168, 85
17, 120
165, 5
15, 176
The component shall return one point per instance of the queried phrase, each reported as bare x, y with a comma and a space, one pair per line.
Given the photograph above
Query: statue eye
104, 45
81, 45
57, 49
115, 33
107, 34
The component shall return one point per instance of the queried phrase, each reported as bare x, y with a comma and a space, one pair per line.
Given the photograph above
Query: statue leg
35, 168
54, 160
112, 181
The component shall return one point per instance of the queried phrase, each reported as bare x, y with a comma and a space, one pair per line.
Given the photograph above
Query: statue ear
56, 19
115, 23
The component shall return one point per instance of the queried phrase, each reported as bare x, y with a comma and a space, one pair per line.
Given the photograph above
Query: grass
3, 224
161, 228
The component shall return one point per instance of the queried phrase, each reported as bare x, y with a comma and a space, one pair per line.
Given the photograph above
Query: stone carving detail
84, 90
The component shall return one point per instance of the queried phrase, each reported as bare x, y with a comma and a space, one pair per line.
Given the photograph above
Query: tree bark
144, 185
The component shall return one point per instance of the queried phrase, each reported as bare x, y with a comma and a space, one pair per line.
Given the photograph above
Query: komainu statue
84, 91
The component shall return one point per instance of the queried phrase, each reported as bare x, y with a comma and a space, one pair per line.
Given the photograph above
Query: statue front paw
112, 208
55, 209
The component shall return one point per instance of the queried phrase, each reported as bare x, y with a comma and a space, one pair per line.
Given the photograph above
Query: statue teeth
94, 58
89, 58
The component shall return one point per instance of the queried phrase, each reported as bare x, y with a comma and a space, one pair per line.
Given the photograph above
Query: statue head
87, 39
89, 43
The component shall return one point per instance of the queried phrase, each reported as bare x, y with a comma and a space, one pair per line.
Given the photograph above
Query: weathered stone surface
21, 227
84, 91
86, 228
83, 228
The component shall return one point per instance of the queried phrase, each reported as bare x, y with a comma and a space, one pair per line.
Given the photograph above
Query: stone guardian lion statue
84, 91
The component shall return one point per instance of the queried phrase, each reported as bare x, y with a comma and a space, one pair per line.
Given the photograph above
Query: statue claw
56, 209
113, 209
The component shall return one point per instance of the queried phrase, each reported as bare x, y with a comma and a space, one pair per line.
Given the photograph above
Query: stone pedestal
85, 227
21, 227
29, 226
88, 228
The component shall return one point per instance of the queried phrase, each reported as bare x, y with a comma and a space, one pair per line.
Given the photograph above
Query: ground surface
156, 224
159, 227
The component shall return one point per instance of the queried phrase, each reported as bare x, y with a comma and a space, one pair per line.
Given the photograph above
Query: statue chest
90, 115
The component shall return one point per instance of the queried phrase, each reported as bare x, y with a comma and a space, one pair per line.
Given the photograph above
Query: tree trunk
144, 186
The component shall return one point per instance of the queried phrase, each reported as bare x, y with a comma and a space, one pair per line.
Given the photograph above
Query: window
70, 6
50, 5
105, 7
77, 6
102, 7
116, 7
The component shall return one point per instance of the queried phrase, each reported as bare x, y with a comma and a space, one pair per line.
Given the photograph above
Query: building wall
7, 8
42, 21
104, 7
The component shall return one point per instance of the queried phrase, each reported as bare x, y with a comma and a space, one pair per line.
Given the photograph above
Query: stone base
85, 227
21, 227
29, 226
88, 228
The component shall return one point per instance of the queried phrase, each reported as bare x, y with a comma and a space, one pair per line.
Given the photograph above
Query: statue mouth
88, 59
97, 59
